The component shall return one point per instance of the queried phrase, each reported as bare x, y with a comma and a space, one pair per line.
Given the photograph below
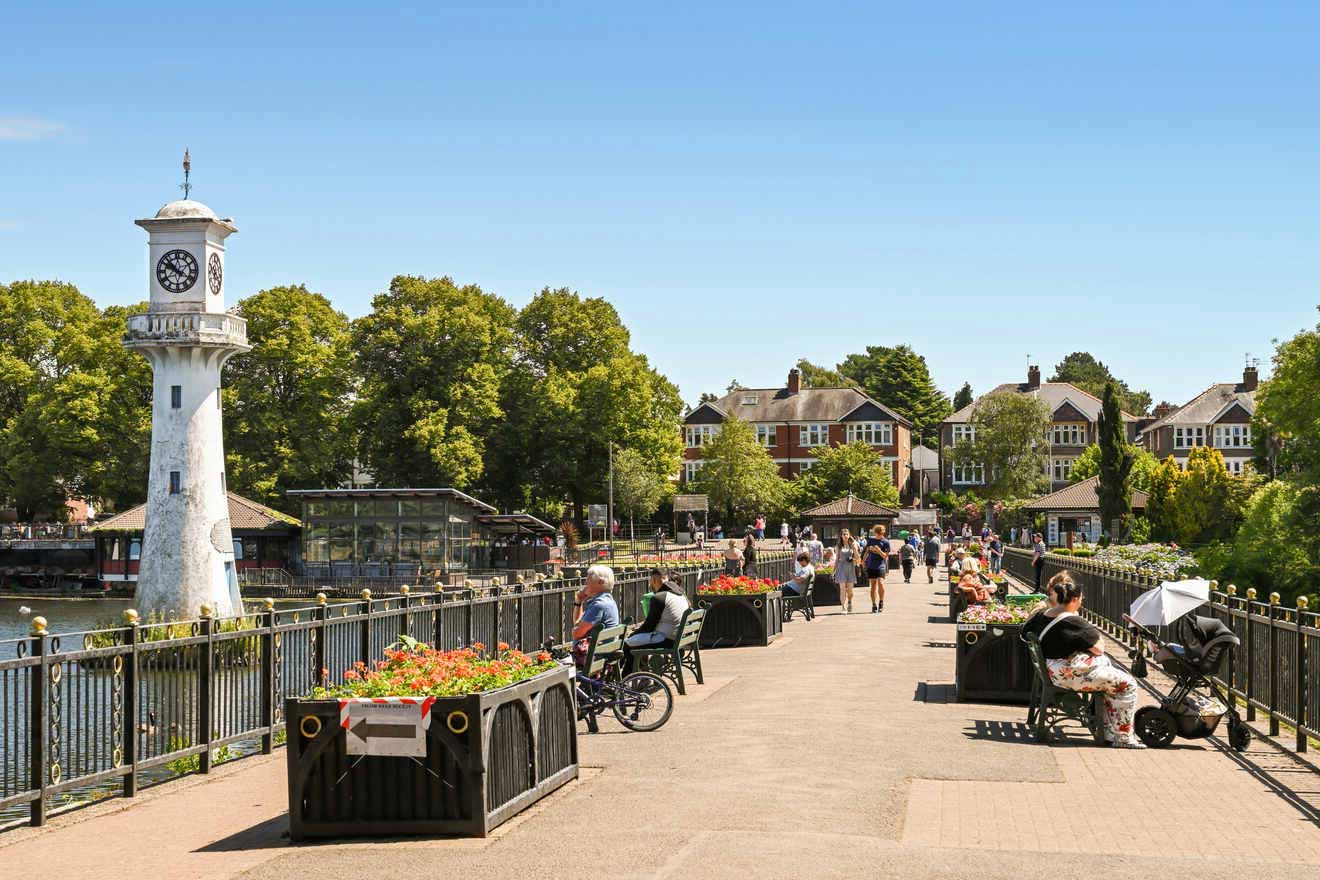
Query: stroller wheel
1239, 736
1155, 727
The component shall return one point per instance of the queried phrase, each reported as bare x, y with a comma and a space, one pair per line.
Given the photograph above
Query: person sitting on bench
803, 573
976, 592
668, 603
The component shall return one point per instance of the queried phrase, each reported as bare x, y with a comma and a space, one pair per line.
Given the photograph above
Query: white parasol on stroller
1170, 601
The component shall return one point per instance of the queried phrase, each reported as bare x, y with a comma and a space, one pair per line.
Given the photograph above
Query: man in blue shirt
593, 605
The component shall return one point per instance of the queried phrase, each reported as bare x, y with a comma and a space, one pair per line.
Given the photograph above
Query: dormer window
750, 399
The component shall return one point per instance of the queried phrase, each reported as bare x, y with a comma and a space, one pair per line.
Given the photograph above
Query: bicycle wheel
643, 701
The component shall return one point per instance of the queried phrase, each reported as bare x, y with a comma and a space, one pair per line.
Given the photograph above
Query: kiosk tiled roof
850, 506
243, 514
1079, 496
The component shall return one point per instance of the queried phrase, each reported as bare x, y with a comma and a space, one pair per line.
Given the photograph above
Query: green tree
1287, 420
963, 398
577, 386
1009, 443
1200, 509
1162, 494
851, 468
1082, 369
1144, 464
287, 401
75, 405
1116, 459
638, 489
899, 378
814, 376
739, 477
431, 356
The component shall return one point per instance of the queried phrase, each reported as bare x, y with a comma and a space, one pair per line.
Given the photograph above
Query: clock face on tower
213, 273
176, 271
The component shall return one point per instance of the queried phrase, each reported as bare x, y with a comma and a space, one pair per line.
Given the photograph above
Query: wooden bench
803, 604
602, 660
671, 660
1050, 704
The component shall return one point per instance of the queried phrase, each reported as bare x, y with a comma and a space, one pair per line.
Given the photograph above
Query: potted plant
740, 611
991, 661
430, 742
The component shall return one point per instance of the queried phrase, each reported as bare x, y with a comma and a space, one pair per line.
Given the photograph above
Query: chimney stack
1162, 410
1033, 378
794, 380
1250, 379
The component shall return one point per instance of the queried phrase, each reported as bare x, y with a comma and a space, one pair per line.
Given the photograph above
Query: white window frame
964, 434
1237, 466
870, 433
1234, 436
1061, 469
765, 434
814, 434
1188, 436
749, 399
968, 474
697, 436
690, 469
1068, 434
806, 464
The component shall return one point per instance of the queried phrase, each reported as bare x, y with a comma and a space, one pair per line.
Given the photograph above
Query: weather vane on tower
187, 169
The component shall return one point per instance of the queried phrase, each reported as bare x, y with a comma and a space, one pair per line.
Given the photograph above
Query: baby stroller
1204, 645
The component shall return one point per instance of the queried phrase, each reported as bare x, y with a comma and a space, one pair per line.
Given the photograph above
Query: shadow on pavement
271, 834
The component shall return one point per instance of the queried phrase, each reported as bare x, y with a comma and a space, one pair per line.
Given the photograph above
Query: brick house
1218, 417
1075, 415
793, 422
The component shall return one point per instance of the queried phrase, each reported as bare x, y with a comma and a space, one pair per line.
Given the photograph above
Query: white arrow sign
394, 726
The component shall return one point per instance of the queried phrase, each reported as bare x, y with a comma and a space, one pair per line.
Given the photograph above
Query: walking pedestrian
1038, 558
733, 558
877, 566
845, 569
749, 557
907, 557
783, 532
932, 554
996, 551
760, 527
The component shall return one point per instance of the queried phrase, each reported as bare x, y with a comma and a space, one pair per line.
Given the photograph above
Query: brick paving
836, 752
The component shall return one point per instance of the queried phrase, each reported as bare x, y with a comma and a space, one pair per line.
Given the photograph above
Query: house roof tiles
807, 405
850, 506
1079, 496
243, 514
1055, 395
1207, 406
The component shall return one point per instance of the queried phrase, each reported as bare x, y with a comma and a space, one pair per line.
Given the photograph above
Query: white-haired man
593, 605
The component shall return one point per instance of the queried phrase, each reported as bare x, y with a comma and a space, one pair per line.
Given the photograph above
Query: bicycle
641, 701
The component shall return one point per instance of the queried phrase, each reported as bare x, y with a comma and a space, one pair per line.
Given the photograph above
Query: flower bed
742, 585
499, 733
750, 616
994, 612
1155, 560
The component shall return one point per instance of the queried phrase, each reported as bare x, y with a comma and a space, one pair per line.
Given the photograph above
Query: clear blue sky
747, 183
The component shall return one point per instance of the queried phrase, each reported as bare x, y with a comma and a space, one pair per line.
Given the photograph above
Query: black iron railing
87, 715
1272, 673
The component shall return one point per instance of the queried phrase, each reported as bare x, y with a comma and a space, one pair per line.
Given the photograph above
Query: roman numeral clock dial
177, 271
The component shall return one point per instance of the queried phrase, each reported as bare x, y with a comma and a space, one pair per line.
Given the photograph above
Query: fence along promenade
1272, 673
96, 714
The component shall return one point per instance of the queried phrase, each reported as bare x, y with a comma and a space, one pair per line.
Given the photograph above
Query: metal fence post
38, 717
1301, 675
318, 648
405, 591
268, 677
499, 614
364, 641
470, 595
1274, 665
438, 618
1251, 658
205, 680
131, 708
1229, 601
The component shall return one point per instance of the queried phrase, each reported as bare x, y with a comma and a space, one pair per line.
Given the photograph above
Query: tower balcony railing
203, 327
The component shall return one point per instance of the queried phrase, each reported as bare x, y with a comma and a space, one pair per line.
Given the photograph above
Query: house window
700, 435
176, 396
1233, 436
690, 469
765, 435
1236, 466
750, 399
969, 474
1063, 469
1068, 434
817, 434
1185, 437
871, 433
806, 465
964, 434
174, 482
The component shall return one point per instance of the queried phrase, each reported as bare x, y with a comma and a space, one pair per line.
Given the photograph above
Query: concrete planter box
732, 621
488, 757
992, 664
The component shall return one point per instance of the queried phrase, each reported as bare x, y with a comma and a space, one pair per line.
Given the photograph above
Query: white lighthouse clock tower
187, 550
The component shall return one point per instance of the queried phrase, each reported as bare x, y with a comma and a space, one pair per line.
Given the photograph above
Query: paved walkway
819, 756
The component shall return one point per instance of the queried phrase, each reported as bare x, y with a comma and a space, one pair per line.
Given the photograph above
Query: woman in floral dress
1076, 662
